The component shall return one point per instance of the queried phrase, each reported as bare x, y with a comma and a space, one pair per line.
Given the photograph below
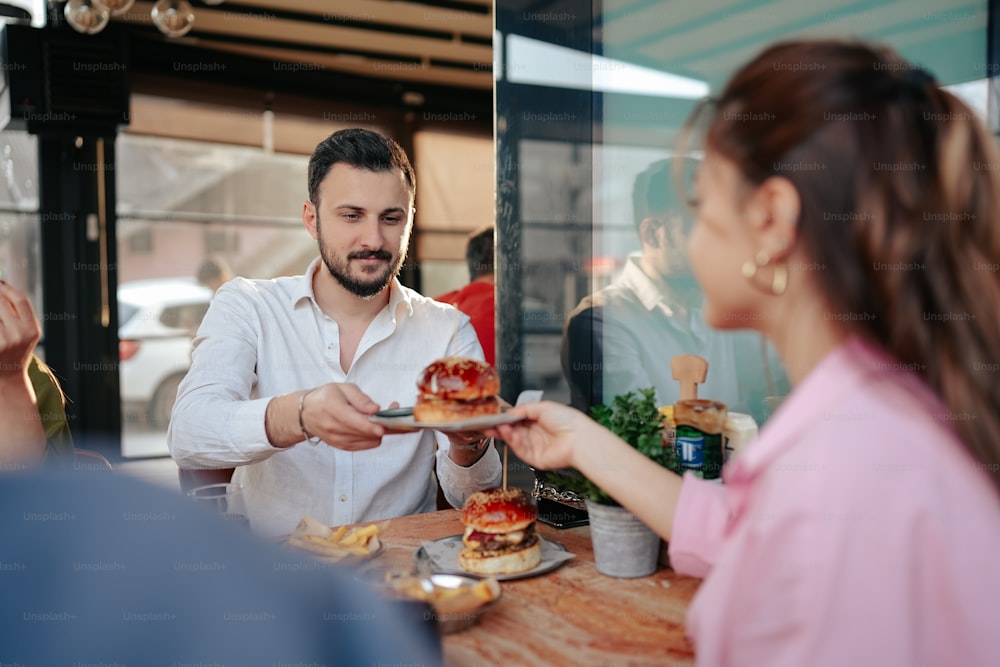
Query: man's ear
309, 217
647, 232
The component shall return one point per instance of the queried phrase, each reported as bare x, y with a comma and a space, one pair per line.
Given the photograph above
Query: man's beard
341, 270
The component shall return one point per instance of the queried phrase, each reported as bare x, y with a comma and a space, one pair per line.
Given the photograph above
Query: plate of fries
337, 545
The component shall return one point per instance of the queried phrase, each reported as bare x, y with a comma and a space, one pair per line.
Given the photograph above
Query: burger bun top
499, 510
458, 378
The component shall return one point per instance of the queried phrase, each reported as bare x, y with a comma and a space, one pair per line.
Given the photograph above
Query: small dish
352, 559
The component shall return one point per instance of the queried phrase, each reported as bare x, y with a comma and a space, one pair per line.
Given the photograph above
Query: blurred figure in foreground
478, 298
845, 213
107, 570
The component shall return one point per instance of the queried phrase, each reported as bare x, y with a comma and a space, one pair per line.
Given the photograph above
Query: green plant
635, 418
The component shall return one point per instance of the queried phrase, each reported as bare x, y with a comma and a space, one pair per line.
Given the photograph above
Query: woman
32, 408
848, 209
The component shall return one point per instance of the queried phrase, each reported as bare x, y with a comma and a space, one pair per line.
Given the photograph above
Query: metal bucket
624, 546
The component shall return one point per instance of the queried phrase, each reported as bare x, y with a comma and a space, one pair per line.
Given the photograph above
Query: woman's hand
549, 436
22, 438
556, 436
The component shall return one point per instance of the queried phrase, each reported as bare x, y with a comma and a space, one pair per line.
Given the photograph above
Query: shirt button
343, 498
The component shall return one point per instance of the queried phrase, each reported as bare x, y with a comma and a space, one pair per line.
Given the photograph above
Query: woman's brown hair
900, 208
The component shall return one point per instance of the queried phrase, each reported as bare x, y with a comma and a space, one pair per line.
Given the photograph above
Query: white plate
401, 419
553, 555
349, 559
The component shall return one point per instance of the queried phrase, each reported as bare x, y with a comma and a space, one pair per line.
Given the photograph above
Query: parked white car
157, 320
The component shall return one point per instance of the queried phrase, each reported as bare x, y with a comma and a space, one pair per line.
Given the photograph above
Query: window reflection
574, 151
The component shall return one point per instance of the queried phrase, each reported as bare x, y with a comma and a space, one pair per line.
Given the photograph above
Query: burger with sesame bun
499, 533
454, 389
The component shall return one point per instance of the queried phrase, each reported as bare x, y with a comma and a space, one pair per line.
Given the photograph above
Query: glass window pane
586, 122
180, 204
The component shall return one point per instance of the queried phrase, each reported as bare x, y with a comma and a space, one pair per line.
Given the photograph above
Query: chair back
89, 461
192, 479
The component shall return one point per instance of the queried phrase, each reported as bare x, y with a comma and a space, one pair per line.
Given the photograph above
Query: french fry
338, 544
482, 591
366, 531
461, 599
360, 535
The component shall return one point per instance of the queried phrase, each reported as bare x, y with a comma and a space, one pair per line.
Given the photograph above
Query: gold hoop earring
779, 281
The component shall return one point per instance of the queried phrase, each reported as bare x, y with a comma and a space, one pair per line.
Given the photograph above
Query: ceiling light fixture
116, 7
86, 16
173, 18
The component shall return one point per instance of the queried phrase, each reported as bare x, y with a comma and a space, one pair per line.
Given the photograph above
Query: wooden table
571, 616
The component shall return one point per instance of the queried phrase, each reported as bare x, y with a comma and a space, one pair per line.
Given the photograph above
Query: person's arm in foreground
22, 438
557, 436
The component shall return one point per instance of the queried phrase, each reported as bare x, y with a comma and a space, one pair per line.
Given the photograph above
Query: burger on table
500, 533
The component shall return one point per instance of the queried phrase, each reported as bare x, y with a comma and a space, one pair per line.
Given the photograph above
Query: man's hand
335, 413
467, 447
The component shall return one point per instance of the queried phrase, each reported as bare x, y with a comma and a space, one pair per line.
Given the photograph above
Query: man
323, 351
623, 337
477, 299
213, 273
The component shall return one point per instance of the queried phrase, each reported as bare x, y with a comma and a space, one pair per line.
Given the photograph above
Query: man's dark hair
654, 194
479, 252
362, 149
212, 269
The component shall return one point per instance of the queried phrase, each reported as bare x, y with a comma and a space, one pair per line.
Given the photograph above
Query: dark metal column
79, 279
535, 113
507, 248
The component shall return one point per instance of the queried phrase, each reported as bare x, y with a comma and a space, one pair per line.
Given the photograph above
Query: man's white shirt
263, 338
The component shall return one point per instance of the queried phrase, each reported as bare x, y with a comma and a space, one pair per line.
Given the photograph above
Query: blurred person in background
863, 526
33, 423
214, 272
478, 298
286, 372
